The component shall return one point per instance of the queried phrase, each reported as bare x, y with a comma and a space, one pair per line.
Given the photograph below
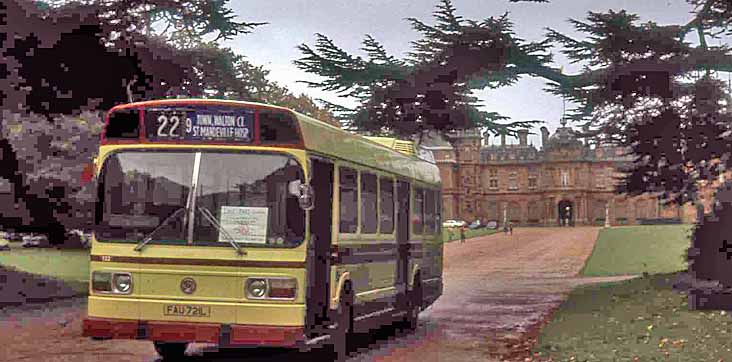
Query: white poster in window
244, 224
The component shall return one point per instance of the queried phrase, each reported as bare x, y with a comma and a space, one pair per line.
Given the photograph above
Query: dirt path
498, 290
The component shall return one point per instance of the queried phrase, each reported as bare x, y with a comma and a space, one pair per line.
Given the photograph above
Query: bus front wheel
170, 351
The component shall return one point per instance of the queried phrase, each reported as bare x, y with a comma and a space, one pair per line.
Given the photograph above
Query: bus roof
325, 139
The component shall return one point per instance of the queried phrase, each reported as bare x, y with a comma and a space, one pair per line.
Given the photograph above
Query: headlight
122, 283
115, 283
256, 288
271, 288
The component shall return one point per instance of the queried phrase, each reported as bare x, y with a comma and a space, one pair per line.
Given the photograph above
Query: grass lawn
454, 234
71, 266
641, 318
636, 249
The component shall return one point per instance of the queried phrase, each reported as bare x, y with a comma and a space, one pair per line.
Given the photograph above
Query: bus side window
348, 196
418, 211
429, 211
386, 205
369, 212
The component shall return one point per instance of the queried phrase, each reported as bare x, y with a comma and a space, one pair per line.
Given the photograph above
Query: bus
249, 225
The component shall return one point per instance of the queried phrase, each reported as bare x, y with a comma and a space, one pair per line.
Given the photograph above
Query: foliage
648, 89
430, 89
641, 90
183, 23
68, 61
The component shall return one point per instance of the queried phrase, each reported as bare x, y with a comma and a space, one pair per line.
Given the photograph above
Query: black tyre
414, 305
343, 328
170, 351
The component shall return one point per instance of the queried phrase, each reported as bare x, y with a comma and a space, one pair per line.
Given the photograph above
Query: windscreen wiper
209, 216
149, 236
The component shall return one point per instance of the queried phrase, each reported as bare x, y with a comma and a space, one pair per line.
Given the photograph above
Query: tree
430, 90
68, 62
646, 88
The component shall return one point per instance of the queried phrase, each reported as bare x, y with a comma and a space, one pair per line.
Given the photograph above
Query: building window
533, 181
565, 178
513, 181
600, 179
5, 186
493, 179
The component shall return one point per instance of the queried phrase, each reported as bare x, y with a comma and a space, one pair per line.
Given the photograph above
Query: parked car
453, 223
76, 237
34, 241
492, 225
4, 241
476, 225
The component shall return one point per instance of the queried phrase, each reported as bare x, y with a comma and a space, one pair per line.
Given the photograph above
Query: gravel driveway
499, 289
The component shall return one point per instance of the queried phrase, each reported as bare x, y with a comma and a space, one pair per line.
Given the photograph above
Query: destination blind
200, 124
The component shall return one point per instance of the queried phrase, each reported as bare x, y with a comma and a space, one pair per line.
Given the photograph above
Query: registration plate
187, 310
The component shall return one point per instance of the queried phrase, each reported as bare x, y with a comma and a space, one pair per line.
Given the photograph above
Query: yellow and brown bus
244, 224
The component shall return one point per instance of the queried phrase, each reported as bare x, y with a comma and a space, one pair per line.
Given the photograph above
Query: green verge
70, 266
651, 249
641, 318
452, 235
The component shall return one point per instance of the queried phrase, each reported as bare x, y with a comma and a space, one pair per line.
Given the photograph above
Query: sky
294, 22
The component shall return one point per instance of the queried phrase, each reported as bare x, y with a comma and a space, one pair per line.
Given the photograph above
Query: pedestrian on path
505, 229
510, 228
462, 234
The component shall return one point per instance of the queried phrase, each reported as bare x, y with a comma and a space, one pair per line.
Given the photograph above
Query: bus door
319, 246
402, 234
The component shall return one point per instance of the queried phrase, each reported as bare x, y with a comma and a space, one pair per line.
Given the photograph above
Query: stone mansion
565, 182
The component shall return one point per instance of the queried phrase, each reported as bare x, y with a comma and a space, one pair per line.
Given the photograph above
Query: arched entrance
565, 212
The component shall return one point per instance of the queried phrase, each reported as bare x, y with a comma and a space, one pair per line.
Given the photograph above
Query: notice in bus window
244, 224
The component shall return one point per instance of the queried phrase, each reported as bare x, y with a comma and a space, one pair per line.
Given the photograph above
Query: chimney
503, 139
544, 136
522, 136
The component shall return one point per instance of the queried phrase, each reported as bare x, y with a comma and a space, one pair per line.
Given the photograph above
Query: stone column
607, 214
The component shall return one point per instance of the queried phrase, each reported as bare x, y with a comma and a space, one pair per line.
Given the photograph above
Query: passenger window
386, 205
348, 205
429, 211
417, 214
368, 204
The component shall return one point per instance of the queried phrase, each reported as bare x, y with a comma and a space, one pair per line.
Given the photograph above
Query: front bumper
221, 334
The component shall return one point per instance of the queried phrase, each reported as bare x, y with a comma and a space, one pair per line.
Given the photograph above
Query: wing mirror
304, 192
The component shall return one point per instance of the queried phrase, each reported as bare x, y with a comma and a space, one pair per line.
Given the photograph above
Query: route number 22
170, 126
